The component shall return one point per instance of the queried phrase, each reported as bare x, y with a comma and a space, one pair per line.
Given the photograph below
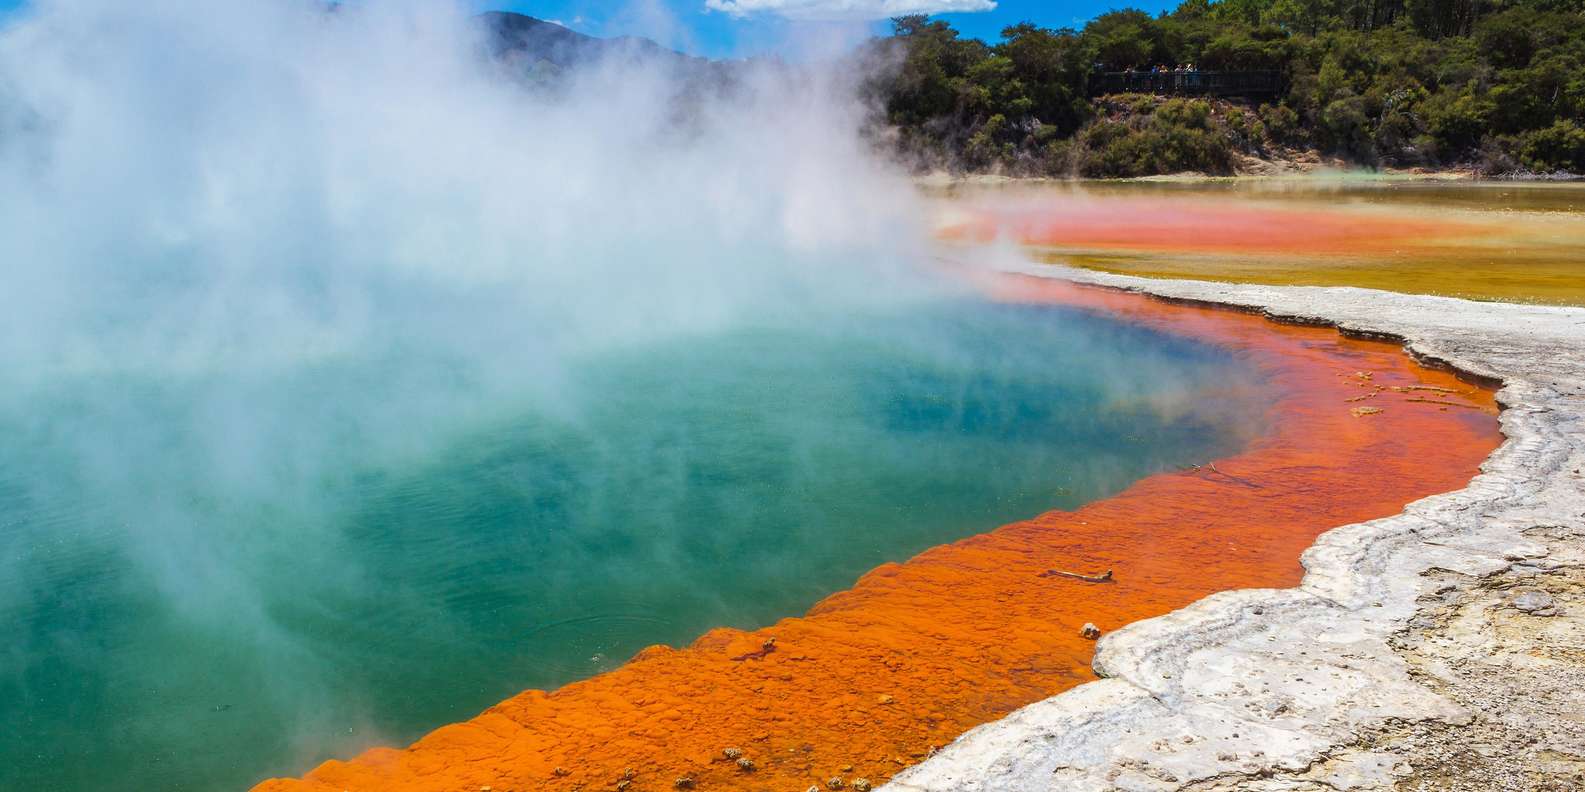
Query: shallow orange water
1179, 226
916, 653
1477, 241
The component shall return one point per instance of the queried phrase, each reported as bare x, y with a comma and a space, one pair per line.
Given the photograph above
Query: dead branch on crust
758, 654
1444, 404
1230, 477
1106, 578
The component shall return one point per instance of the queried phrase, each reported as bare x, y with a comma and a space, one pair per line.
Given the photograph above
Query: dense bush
1176, 135
1559, 147
1497, 83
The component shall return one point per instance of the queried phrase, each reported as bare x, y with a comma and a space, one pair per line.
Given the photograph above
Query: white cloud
845, 9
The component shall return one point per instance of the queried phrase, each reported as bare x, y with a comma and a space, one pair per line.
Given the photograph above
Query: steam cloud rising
225, 196
255, 251
248, 245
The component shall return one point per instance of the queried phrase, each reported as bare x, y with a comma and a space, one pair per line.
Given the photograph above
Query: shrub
1559, 147
1346, 126
983, 150
1280, 122
1178, 135
1457, 121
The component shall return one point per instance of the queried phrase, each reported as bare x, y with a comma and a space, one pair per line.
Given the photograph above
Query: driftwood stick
1434, 388
758, 654
1444, 404
1106, 578
1211, 466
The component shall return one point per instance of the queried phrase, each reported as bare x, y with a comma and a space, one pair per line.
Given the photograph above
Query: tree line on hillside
1494, 84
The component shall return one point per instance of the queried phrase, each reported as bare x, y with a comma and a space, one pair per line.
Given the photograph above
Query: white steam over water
225, 194
188, 183
248, 246
351, 380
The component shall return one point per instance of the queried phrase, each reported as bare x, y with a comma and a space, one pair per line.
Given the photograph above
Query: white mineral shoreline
1441, 648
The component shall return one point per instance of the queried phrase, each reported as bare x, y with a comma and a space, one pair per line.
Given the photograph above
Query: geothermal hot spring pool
351, 387
192, 615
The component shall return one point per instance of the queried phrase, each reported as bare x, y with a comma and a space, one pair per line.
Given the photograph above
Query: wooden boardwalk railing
1188, 83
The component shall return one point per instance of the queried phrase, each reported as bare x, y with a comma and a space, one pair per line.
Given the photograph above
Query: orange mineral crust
875, 677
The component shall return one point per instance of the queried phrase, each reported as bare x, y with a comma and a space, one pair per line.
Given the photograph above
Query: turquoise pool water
213, 578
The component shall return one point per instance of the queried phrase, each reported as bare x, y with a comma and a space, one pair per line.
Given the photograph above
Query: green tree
1497, 83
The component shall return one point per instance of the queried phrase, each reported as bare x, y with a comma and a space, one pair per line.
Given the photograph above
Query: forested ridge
1495, 85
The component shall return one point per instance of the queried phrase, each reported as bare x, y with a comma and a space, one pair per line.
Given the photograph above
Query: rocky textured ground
1440, 649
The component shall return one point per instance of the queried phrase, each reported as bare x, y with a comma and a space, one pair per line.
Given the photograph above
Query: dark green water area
213, 577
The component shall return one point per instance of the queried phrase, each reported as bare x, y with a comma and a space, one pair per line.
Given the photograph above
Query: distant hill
536, 43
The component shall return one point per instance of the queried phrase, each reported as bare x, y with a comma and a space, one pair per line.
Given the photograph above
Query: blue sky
733, 28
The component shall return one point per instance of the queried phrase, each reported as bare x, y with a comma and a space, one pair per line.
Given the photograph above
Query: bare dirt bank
1441, 648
